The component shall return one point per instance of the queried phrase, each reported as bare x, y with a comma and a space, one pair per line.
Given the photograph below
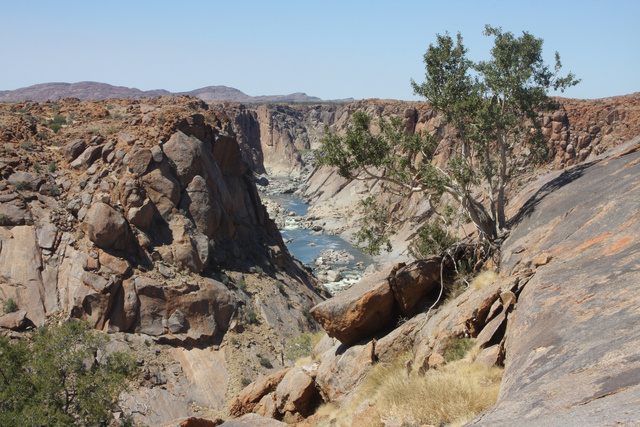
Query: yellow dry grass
484, 279
451, 395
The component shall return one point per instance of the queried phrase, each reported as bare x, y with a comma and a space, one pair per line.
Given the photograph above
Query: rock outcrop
141, 218
559, 317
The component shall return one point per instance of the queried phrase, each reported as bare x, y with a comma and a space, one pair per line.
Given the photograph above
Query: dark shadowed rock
15, 320
412, 283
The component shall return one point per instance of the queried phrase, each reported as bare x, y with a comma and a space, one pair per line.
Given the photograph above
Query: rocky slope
560, 317
140, 217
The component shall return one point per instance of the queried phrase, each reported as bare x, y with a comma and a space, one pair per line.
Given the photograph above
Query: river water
306, 247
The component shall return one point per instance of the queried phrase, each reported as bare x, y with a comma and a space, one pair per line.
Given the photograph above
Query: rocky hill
87, 91
140, 217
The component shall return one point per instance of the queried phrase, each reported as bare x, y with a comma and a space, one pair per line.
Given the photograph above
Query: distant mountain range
94, 90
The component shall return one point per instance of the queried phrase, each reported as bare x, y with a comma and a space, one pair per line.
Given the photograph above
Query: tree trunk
480, 217
502, 182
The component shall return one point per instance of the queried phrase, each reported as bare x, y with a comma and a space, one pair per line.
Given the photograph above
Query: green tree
492, 107
56, 381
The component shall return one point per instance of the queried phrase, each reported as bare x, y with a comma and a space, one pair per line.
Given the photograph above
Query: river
306, 246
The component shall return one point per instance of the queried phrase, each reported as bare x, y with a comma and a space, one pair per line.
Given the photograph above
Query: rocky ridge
91, 91
140, 217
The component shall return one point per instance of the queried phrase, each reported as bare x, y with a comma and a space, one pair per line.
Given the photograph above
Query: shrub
26, 145
4, 219
252, 317
432, 239
23, 186
10, 306
483, 279
52, 167
299, 347
245, 382
265, 363
56, 380
242, 285
53, 190
457, 348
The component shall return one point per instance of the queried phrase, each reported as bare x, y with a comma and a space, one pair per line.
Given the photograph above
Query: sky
329, 49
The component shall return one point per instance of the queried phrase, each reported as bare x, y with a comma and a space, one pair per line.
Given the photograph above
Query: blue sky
330, 49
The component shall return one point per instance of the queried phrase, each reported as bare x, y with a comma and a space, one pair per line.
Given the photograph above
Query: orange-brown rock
412, 283
105, 226
360, 311
248, 398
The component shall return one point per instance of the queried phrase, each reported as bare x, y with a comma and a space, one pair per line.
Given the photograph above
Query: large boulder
105, 226
198, 200
360, 311
296, 393
252, 394
414, 282
183, 312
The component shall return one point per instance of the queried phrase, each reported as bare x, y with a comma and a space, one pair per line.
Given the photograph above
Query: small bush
10, 306
242, 285
483, 279
245, 382
432, 239
252, 317
52, 167
299, 347
54, 190
23, 186
224, 279
265, 363
4, 219
26, 145
457, 349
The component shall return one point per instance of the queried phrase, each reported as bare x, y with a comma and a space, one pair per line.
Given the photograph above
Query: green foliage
23, 186
4, 219
26, 145
432, 239
53, 190
56, 380
252, 317
492, 106
457, 348
10, 306
52, 167
242, 285
299, 347
266, 363
245, 381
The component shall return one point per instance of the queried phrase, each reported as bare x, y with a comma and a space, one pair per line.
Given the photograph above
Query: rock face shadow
564, 179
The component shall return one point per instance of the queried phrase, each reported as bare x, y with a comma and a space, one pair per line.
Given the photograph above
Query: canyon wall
141, 218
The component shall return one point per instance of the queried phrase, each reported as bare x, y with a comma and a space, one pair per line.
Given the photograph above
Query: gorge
150, 226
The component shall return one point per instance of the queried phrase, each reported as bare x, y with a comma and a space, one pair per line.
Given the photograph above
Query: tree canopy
491, 105
56, 381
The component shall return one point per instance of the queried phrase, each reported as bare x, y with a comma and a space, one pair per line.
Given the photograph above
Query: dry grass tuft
450, 395
484, 279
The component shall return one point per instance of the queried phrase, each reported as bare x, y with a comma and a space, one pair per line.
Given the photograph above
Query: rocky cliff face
141, 217
559, 316
578, 130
